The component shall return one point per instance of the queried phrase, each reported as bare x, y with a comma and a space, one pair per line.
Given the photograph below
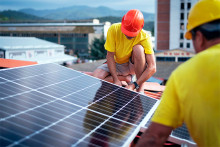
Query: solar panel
50, 105
179, 135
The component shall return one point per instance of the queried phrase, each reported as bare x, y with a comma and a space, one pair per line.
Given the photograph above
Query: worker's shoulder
144, 34
202, 60
116, 25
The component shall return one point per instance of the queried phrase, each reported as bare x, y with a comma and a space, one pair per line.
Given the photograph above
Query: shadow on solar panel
121, 109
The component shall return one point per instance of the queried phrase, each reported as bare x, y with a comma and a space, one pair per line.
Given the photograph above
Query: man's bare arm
112, 67
149, 71
155, 136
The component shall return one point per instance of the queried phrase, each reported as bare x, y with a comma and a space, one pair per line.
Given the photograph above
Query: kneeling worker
129, 52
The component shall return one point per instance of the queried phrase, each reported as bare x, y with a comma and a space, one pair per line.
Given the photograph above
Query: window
40, 53
188, 45
181, 26
4, 34
181, 45
169, 59
14, 34
181, 35
2, 54
182, 59
17, 55
160, 58
188, 6
182, 16
182, 6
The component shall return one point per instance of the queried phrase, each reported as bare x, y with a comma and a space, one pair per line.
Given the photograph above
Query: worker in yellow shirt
192, 94
129, 52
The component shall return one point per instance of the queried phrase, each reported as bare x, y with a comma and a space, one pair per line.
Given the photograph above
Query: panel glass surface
182, 132
50, 105
2, 80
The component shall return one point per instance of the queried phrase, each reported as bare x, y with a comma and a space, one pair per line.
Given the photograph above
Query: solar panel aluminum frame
182, 142
141, 125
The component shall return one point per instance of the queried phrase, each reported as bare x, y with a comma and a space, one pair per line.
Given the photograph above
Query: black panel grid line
50, 105
31, 76
30, 71
38, 131
117, 110
54, 99
3, 88
41, 130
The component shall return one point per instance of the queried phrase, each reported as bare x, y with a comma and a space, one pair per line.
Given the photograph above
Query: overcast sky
143, 5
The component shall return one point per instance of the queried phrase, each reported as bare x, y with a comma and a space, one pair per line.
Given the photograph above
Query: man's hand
117, 82
112, 68
155, 136
130, 86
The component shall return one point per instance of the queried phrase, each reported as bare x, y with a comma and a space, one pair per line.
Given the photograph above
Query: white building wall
174, 24
106, 27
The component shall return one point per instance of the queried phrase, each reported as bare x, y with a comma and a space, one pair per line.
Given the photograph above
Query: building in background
170, 24
76, 37
175, 55
33, 49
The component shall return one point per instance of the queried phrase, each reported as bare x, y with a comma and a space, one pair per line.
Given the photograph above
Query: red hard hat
132, 23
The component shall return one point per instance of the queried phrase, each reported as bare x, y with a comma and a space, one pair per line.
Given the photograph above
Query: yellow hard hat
202, 12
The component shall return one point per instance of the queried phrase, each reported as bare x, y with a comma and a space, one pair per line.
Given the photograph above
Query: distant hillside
148, 25
80, 12
10, 15
111, 19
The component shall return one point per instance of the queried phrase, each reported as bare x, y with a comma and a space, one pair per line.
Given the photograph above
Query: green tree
97, 49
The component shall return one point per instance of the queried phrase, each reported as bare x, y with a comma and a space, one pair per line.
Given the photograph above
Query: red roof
153, 95
9, 63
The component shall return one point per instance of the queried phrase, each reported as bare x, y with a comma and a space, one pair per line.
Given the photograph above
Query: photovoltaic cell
50, 105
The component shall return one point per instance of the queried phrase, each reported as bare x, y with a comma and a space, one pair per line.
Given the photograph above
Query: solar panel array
50, 105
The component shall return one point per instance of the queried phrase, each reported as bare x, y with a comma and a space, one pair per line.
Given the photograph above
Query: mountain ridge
80, 12
15, 15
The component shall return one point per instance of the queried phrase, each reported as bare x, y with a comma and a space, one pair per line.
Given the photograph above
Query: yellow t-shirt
118, 43
192, 95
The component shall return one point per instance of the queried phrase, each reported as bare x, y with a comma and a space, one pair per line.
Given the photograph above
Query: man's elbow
153, 69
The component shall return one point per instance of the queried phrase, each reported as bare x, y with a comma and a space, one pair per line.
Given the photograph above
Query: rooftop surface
21, 43
9, 63
164, 69
50, 24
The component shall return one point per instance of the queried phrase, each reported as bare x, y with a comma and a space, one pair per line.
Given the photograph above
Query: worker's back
198, 92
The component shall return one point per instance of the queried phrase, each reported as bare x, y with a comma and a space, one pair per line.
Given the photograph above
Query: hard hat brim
128, 33
188, 35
